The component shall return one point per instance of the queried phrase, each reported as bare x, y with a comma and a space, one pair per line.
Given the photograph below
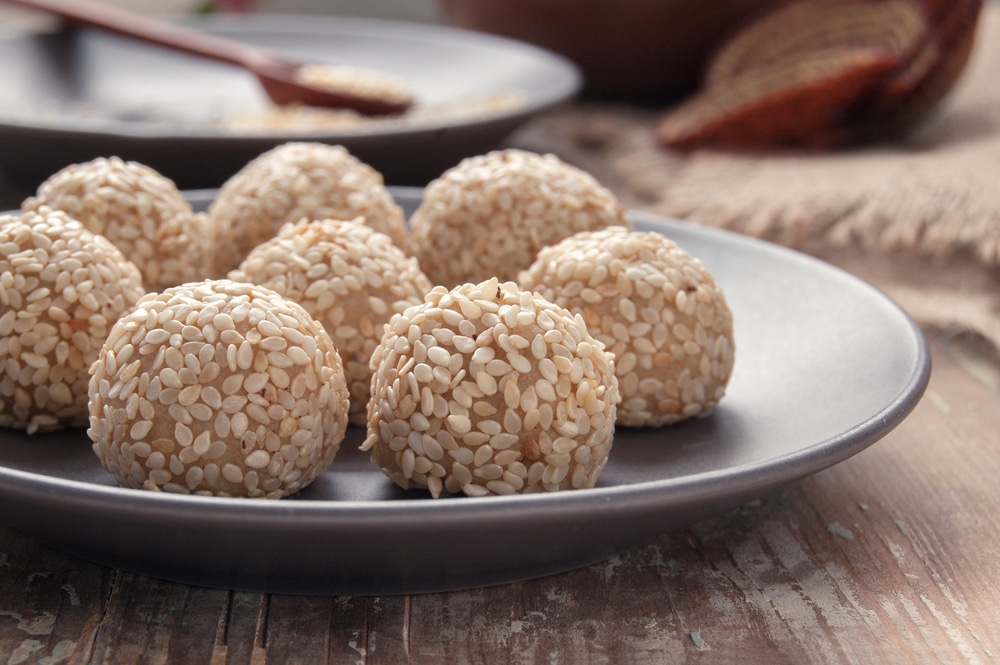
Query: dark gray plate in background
825, 366
79, 94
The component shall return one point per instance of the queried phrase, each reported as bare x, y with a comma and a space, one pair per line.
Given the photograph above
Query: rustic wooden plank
298, 629
152, 621
372, 630
311, 630
197, 627
241, 640
50, 604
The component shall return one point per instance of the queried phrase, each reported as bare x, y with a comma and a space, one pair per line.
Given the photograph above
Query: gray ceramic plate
825, 366
72, 96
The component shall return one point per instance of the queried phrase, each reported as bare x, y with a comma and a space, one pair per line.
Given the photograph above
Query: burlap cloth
918, 218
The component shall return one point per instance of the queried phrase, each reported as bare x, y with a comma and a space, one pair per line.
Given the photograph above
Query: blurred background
638, 50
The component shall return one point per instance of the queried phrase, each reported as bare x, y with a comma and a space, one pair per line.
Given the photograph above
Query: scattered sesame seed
363, 82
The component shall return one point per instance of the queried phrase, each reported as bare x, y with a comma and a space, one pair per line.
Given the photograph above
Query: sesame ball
61, 289
292, 181
486, 389
489, 215
139, 210
217, 388
350, 278
656, 308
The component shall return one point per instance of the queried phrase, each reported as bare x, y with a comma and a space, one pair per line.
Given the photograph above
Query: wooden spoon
367, 92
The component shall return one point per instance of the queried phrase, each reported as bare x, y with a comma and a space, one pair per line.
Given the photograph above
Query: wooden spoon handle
133, 25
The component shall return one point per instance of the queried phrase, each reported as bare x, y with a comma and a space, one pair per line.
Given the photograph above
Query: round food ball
487, 389
217, 388
61, 289
656, 308
491, 214
350, 278
140, 211
292, 181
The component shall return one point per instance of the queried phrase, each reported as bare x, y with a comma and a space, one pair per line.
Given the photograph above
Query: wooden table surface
888, 557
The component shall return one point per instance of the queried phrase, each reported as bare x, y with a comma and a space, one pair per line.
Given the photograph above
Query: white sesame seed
140, 429
439, 355
459, 424
258, 459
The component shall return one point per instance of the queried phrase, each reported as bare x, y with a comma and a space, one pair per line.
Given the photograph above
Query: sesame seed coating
486, 389
217, 388
61, 289
139, 210
350, 278
293, 181
653, 305
491, 214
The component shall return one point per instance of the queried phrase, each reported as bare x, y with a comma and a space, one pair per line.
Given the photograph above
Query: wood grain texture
889, 557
